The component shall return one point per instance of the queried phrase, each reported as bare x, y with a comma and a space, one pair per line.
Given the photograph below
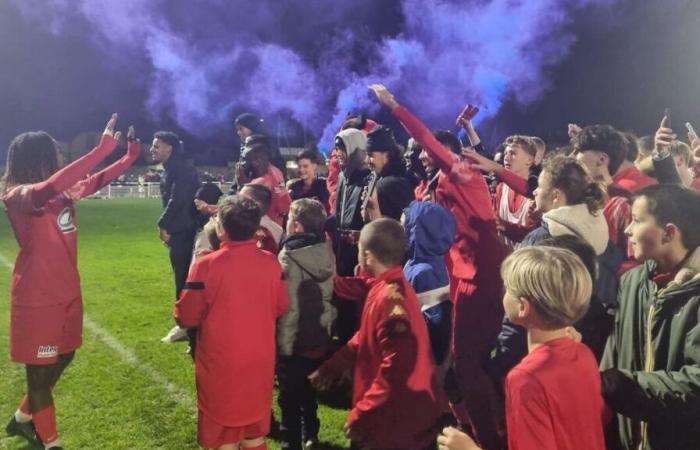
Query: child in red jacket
554, 399
234, 296
475, 285
396, 402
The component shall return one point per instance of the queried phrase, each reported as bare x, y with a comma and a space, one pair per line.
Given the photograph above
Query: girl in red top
47, 309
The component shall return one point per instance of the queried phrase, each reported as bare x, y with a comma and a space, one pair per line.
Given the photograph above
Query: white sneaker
175, 335
311, 444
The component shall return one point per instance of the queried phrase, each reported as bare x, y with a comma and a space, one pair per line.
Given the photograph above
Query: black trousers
297, 400
180, 249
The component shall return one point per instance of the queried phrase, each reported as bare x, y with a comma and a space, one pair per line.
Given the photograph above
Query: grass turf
130, 392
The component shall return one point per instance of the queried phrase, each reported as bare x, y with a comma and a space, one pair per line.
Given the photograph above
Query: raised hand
133, 143
694, 145
384, 96
664, 136
465, 117
573, 130
111, 125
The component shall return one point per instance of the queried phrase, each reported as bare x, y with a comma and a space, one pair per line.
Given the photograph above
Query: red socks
45, 423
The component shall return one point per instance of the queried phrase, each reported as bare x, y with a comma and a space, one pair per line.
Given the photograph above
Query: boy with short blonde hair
553, 397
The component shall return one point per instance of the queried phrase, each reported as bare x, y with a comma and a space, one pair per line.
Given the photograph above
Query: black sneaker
23, 429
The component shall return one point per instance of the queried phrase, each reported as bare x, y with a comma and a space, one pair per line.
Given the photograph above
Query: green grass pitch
125, 389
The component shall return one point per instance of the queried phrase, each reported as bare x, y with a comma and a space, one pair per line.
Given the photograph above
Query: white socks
22, 417
52, 444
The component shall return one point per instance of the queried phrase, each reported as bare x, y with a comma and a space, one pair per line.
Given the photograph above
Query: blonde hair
527, 143
553, 280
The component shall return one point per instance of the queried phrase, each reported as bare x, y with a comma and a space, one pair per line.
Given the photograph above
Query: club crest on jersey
47, 351
65, 220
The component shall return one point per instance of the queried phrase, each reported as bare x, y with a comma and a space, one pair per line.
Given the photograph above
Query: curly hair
32, 157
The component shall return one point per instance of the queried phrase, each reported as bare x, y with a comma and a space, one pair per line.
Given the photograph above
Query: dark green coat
663, 391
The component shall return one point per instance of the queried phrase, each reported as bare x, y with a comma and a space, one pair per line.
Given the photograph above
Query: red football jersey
554, 399
43, 219
279, 204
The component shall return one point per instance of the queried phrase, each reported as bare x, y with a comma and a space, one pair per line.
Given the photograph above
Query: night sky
67, 66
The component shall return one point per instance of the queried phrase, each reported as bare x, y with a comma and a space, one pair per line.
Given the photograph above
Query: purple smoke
211, 58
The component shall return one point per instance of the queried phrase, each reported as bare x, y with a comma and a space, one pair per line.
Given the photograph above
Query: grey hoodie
308, 271
577, 220
352, 180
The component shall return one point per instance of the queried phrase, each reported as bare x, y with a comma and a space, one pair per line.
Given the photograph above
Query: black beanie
209, 193
251, 121
381, 139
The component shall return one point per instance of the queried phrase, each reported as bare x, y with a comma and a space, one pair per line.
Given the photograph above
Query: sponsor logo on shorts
65, 220
47, 351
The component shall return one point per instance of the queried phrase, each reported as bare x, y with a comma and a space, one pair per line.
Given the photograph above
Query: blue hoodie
431, 230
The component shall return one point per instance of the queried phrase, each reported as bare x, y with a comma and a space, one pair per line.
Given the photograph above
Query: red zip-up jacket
396, 399
464, 192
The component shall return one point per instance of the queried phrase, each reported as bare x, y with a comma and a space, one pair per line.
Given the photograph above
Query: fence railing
136, 190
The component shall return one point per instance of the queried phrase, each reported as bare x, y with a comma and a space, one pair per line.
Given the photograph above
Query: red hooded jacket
396, 399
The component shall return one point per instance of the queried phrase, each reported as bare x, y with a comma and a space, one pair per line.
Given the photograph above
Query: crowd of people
540, 299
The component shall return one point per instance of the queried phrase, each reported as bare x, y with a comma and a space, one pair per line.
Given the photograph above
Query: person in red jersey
554, 397
474, 261
46, 308
234, 296
396, 400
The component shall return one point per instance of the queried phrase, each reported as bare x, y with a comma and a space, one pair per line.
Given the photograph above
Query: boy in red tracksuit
234, 297
396, 402
474, 262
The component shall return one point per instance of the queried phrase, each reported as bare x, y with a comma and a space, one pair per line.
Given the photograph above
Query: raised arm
522, 186
443, 158
465, 121
71, 174
664, 166
94, 183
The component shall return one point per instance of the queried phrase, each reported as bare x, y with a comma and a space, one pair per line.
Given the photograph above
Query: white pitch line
181, 396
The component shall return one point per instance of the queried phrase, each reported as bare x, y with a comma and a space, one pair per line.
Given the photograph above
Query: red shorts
211, 434
38, 335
